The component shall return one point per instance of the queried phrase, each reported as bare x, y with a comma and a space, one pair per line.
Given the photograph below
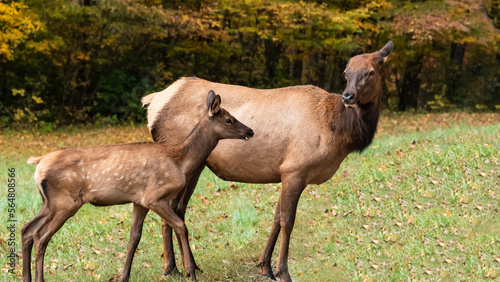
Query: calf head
223, 123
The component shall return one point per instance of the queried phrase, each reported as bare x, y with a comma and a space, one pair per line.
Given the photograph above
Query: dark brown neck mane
355, 127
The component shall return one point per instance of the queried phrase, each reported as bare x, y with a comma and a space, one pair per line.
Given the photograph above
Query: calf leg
182, 206
55, 220
180, 210
27, 232
168, 215
138, 215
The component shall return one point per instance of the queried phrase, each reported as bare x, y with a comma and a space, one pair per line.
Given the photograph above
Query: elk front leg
168, 250
138, 215
265, 256
291, 190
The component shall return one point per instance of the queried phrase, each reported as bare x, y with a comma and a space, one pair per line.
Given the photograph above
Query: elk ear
384, 52
213, 103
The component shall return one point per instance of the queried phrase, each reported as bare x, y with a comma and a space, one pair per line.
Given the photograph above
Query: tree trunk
456, 89
410, 87
272, 54
297, 66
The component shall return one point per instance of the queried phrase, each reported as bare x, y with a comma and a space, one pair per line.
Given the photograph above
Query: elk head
363, 78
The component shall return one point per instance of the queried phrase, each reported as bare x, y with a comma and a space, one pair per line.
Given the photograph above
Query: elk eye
229, 121
372, 73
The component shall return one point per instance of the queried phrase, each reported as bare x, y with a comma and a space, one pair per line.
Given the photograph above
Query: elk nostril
250, 133
348, 97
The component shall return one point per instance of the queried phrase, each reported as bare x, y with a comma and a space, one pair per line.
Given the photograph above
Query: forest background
82, 61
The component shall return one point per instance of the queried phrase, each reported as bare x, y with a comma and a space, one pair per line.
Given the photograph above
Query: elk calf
150, 175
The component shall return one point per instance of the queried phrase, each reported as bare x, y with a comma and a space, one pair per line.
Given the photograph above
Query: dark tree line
87, 60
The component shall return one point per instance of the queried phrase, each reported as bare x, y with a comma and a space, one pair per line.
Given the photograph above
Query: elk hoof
192, 276
197, 268
173, 272
270, 276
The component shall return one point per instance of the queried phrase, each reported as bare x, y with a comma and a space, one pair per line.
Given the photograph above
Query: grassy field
421, 203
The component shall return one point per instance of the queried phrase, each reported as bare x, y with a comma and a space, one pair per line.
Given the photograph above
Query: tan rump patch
160, 99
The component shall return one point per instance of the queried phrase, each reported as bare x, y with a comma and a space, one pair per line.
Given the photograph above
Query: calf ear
210, 98
385, 51
213, 103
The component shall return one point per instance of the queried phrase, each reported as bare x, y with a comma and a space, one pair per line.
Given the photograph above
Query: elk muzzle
348, 98
248, 135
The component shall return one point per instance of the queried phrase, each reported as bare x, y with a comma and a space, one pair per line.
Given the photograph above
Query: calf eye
229, 121
372, 73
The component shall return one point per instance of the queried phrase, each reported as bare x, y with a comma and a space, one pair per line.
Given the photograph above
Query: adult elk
304, 135
150, 175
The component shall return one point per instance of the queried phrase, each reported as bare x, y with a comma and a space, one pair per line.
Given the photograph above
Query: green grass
421, 203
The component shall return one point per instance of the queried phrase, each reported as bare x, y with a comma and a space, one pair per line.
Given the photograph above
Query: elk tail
34, 160
146, 100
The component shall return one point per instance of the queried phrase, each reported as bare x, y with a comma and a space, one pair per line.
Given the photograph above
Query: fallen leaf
400, 153
428, 271
120, 255
376, 241
97, 252
366, 226
375, 265
448, 260
479, 207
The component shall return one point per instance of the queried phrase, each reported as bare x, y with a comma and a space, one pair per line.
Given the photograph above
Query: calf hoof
284, 277
173, 272
270, 276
